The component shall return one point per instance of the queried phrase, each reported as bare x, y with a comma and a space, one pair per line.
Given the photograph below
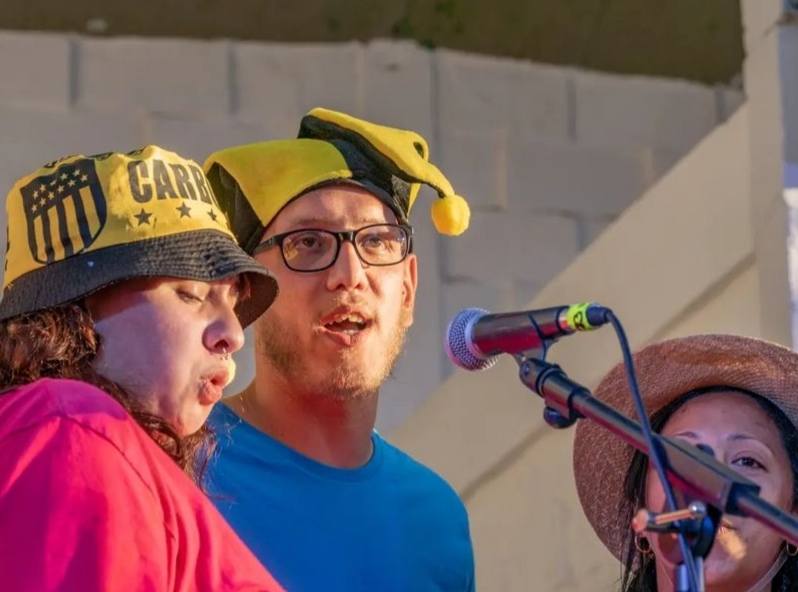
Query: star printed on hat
185, 211
143, 217
212, 215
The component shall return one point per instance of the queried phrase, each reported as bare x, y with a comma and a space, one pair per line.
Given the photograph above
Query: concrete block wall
548, 156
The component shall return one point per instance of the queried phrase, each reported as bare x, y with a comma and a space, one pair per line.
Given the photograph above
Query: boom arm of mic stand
691, 470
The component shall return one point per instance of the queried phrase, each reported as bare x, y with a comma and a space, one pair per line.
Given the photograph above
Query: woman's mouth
726, 524
212, 386
730, 541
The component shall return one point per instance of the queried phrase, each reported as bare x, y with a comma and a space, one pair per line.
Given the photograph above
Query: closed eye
187, 296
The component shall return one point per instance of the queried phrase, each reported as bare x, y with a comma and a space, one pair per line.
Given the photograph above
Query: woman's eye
187, 296
748, 463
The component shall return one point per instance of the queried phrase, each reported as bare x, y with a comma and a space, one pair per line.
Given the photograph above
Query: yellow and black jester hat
82, 223
255, 181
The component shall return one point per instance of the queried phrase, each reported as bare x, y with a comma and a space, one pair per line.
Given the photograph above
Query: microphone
474, 337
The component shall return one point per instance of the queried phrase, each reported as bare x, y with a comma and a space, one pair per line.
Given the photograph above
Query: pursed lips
213, 384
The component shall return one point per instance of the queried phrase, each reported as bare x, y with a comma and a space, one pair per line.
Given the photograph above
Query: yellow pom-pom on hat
403, 153
450, 215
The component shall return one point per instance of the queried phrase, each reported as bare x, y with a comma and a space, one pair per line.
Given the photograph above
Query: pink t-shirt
88, 502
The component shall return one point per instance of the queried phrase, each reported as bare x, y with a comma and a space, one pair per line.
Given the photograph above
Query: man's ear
409, 285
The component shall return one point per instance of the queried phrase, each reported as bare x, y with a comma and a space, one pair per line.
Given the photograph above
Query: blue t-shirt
391, 525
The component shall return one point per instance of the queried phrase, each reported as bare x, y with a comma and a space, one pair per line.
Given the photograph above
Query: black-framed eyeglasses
315, 249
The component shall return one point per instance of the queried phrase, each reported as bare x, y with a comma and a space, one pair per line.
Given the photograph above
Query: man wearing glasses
315, 492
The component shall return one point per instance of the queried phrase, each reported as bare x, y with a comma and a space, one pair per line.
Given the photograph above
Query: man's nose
348, 271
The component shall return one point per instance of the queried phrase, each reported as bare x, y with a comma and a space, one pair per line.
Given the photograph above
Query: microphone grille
457, 341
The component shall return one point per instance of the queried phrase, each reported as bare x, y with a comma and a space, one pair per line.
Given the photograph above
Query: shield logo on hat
65, 211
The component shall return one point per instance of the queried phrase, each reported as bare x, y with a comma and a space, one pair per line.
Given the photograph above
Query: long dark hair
639, 570
61, 342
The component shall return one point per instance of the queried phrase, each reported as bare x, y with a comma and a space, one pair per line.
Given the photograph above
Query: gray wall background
547, 155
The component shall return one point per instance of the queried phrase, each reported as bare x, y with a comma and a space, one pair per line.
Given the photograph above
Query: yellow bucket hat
255, 181
82, 223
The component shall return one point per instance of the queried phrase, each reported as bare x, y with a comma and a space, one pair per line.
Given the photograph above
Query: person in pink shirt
124, 295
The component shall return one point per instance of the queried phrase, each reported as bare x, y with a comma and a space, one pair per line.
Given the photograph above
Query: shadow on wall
679, 39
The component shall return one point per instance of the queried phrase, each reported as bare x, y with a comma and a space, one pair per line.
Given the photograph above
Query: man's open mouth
347, 323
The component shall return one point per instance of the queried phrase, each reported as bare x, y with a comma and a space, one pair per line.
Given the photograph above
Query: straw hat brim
666, 371
203, 255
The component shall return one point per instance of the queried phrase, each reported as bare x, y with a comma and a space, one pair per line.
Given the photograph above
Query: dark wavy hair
639, 570
61, 342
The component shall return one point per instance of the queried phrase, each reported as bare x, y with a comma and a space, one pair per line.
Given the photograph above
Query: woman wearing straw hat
124, 295
739, 397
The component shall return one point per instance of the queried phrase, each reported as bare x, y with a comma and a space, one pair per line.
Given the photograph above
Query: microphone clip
551, 383
697, 521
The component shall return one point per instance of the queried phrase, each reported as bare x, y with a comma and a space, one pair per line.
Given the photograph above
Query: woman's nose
225, 334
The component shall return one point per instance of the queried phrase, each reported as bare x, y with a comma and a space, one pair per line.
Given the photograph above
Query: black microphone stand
691, 470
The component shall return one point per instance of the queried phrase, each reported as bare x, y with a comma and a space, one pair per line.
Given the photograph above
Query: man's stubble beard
345, 380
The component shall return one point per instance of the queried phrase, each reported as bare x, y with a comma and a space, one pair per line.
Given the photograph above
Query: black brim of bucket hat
205, 255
